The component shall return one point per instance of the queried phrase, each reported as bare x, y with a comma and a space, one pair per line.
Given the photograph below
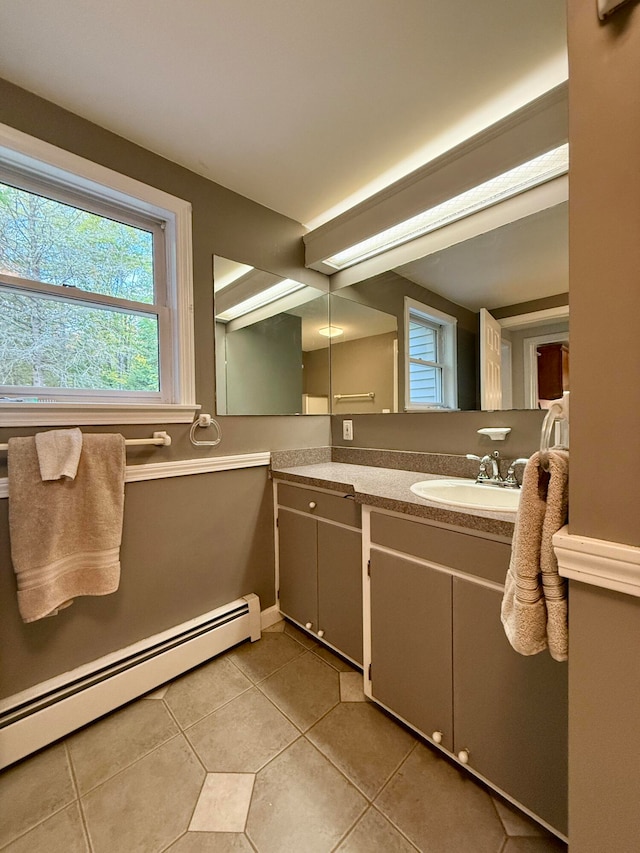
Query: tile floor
270, 747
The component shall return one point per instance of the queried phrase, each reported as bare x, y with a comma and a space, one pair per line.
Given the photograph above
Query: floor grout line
83, 817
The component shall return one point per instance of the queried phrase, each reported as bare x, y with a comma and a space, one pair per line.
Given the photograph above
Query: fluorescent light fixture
331, 331
265, 297
518, 180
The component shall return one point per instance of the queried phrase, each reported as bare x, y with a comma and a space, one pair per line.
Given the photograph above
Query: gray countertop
389, 488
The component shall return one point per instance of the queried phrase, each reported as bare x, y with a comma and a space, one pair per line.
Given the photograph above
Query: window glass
51, 343
52, 242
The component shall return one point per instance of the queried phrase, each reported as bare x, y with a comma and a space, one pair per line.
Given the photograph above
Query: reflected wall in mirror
364, 370
272, 349
519, 272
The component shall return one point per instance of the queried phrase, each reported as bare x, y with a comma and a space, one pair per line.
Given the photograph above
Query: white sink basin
471, 495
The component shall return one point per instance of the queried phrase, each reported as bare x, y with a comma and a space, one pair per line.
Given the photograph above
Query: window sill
83, 414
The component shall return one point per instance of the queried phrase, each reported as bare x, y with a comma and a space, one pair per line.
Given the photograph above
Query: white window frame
447, 330
42, 162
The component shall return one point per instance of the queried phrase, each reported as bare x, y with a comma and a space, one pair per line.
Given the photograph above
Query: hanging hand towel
65, 534
59, 453
534, 607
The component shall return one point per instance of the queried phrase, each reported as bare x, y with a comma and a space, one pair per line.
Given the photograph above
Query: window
95, 293
430, 358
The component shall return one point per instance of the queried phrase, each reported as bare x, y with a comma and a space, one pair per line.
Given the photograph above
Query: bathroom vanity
412, 592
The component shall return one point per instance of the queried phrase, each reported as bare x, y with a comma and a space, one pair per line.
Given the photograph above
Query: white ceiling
306, 106
526, 259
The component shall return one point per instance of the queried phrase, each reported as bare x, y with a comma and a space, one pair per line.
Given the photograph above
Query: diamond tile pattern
269, 747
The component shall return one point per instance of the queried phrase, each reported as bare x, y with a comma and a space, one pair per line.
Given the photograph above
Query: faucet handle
510, 480
482, 470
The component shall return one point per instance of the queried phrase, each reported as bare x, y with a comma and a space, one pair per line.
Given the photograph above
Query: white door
490, 362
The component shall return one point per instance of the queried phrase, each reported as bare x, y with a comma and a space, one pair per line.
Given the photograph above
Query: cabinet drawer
474, 555
333, 507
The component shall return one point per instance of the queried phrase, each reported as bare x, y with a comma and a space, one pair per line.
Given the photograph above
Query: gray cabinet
511, 711
320, 565
440, 660
411, 659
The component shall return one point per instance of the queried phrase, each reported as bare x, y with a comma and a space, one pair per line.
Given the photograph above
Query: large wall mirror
500, 298
272, 344
481, 324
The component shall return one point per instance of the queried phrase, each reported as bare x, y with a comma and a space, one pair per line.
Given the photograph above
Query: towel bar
162, 439
369, 395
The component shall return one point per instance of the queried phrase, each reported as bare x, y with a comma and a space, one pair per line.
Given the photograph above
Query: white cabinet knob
321, 633
436, 737
309, 626
312, 504
463, 756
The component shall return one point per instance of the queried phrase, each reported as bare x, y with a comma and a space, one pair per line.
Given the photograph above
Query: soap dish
495, 433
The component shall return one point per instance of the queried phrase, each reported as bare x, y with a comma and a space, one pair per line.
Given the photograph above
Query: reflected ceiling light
265, 297
331, 331
521, 178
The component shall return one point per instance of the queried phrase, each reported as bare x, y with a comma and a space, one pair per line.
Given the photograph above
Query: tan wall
190, 543
604, 255
362, 366
604, 240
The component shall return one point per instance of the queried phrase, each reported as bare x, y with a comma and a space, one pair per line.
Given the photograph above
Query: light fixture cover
265, 297
331, 331
517, 180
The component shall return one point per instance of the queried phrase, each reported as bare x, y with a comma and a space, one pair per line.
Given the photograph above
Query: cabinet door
340, 588
411, 643
297, 537
510, 710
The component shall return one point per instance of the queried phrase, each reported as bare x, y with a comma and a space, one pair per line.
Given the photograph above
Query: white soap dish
495, 433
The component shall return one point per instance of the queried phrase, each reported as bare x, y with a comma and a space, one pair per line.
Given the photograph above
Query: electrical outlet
347, 430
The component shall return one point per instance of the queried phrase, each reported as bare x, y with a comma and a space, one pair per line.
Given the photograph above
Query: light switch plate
347, 430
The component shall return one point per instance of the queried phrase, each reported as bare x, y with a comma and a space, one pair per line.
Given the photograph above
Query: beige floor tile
242, 736
223, 803
301, 803
535, 845
334, 660
109, 745
363, 742
211, 842
33, 790
148, 805
277, 628
351, 687
439, 807
374, 834
300, 636
259, 660
62, 832
514, 821
204, 689
304, 689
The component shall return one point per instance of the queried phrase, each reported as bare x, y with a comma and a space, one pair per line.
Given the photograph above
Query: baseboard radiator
42, 714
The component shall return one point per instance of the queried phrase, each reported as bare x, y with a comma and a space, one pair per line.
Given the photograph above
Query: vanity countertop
389, 488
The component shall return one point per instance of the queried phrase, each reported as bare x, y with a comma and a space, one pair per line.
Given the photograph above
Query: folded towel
534, 607
65, 534
59, 453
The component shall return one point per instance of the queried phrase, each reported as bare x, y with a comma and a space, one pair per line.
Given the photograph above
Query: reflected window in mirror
430, 356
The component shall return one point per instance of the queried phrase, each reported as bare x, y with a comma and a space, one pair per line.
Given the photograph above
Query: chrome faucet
510, 481
488, 463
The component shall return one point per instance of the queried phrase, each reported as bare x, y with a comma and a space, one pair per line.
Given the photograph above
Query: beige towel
534, 607
65, 534
59, 453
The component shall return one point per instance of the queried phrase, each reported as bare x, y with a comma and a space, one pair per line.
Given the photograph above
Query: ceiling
305, 106
524, 260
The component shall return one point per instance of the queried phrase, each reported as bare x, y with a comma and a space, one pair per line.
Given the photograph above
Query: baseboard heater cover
41, 715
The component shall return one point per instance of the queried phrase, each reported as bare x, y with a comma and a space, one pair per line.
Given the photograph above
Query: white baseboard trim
610, 565
270, 616
180, 468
